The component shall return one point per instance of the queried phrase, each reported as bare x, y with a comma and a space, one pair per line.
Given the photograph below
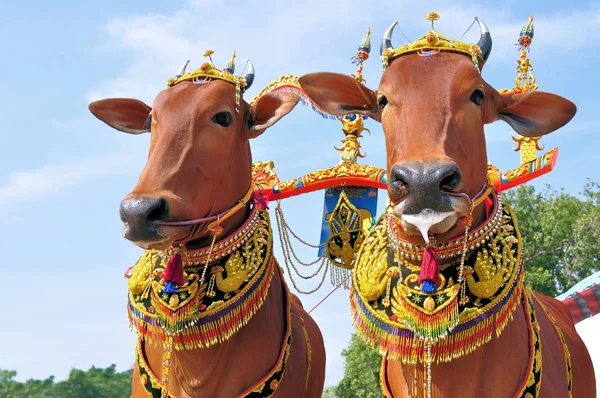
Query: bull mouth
428, 221
154, 237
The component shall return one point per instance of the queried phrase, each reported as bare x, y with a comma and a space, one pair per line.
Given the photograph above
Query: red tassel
260, 201
174, 270
430, 267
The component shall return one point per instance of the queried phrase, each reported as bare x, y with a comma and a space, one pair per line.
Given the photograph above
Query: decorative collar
197, 313
391, 311
530, 387
266, 387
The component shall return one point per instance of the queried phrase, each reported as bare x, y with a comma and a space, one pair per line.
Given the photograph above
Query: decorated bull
438, 285
208, 300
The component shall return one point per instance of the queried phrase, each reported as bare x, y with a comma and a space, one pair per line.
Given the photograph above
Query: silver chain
289, 254
279, 211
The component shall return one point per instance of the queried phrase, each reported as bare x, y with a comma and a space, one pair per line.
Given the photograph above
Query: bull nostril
159, 212
398, 183
140, 211
450, 182
452, 179
398, 178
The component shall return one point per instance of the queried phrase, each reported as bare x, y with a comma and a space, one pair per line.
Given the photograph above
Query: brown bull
433, 105
199, 170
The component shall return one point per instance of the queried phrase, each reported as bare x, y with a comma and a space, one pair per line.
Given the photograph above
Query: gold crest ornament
433, 43
358, 181
524, 82
208, 71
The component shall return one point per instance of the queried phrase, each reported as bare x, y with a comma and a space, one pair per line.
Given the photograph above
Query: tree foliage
561, 234
93, 383
361, 375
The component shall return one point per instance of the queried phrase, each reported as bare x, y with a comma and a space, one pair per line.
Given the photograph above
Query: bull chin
164, 238
423, 225
432, 222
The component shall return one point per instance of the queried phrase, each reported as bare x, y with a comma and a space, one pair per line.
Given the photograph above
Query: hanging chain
289, 253
279, 211
283, 233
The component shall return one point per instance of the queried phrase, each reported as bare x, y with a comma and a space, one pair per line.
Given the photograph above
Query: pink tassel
429, 276
174, 270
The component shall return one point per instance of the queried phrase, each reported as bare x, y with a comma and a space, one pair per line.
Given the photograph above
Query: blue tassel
170, 287
428, 287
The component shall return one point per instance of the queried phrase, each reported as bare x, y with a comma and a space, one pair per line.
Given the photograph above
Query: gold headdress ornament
433, 42
353, 124
348, 224
208, 71
524, 82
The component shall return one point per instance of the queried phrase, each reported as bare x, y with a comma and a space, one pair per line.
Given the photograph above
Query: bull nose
423, 176
139, 213
422, 185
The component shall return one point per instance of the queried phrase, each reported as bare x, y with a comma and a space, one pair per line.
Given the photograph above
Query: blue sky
63, 173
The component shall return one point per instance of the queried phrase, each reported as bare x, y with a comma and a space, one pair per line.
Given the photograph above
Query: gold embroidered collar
266, 387
391, 312
199, 314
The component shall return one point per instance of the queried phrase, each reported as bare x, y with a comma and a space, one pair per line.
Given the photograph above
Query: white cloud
160, 43
280, 41
50, 179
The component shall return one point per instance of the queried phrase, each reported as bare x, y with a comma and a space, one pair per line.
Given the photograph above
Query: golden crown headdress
208, 71
432, 43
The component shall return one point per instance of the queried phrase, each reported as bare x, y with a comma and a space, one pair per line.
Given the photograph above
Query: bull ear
268, 109
339, 94
535, 113
124, 114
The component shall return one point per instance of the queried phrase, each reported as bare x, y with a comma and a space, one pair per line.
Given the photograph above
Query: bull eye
382, 101
477, 96
222, 118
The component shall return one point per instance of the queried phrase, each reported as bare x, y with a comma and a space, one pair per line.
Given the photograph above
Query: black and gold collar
199, 314
392, 313
266, 387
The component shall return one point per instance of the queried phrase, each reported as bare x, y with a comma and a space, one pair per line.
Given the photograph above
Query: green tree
561, 235
95, 382
361, 374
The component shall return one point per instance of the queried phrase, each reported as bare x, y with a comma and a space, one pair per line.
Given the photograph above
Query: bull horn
250, 75
485, 41
386, 42
182, 70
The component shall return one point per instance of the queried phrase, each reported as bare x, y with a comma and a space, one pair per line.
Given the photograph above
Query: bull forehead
429, 114
413, 80
186, 101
